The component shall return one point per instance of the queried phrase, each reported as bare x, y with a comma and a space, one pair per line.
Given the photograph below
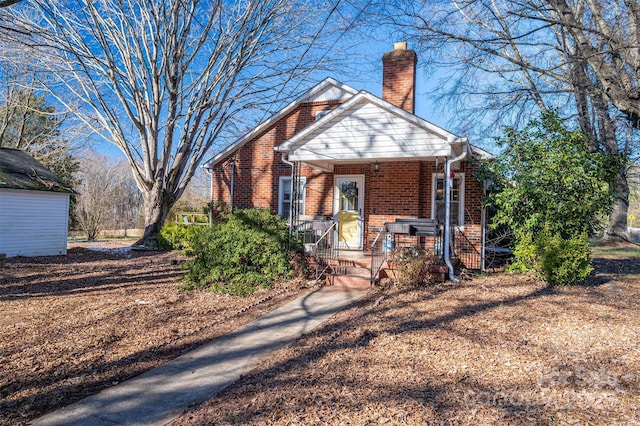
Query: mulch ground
496, 349
73, 325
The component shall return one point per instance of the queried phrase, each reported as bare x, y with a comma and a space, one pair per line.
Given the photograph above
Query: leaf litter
73, 325
495, 349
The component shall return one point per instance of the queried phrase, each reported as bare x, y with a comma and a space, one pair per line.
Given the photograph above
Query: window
457, 199
285, 195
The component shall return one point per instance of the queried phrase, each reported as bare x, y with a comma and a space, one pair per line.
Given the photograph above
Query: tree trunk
156, 210
617, 227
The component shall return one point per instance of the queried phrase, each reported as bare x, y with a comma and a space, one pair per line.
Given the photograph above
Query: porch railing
379, 251
325, 250
309, 231
465, 250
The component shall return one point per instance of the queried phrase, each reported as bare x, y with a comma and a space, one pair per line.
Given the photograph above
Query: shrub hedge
245, 250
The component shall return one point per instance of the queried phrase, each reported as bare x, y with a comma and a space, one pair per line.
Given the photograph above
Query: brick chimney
399, 77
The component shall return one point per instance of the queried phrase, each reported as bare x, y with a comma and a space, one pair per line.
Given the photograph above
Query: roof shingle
19, 170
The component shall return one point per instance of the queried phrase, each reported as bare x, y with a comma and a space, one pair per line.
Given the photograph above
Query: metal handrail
378, 254
325, 251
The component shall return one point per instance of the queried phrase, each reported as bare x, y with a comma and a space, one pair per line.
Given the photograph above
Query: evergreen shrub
557, 260
245, 250
174, 236
551, 188
563, 261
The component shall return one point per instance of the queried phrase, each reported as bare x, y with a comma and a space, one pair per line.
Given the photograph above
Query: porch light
376, 167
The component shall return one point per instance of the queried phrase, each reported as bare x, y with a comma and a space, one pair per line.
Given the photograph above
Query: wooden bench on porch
416, 227
419, 227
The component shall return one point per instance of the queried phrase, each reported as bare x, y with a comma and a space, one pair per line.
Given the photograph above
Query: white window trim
459, 176
303, 183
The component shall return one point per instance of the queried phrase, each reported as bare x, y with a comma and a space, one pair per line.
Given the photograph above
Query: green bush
557, 260
549, 186
246, 250
174, 236
563, 261
547, 177
526, 258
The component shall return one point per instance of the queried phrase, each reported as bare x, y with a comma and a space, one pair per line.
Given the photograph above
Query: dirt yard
498, 349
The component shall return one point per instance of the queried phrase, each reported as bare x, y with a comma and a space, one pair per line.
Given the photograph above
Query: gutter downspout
483, 228
233, 182
447, 212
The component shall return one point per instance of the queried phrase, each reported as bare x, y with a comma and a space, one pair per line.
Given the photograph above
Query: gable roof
19, 170
327, 90
366, 128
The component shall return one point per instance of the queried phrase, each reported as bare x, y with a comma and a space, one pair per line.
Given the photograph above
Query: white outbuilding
34, 207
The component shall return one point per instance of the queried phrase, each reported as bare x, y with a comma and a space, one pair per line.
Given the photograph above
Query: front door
348, 205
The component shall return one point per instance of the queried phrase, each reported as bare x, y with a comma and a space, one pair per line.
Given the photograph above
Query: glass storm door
348, 203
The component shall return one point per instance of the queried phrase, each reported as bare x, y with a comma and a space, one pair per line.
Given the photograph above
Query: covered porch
370, 220
387, 165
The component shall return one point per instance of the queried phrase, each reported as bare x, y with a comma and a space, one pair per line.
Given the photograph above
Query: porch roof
365, 129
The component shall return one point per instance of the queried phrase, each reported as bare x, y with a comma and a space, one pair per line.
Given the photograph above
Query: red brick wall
471, 256
472, 209
399, 78
473, 194
258, 166
398, 189
319, 201
403, 190
395, 191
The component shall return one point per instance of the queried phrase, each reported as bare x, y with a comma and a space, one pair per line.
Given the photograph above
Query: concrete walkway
159, 395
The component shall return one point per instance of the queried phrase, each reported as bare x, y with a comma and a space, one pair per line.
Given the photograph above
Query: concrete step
350, 281
364, 262
350, 276
350, 270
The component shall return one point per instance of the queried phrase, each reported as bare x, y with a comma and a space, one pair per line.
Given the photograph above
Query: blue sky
368, 63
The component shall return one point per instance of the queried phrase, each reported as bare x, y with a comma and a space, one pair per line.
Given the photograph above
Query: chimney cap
401, 45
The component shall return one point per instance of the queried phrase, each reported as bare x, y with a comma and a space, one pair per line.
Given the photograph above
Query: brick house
361, 161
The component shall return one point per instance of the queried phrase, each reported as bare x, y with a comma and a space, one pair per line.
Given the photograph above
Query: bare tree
634, 198
513, 58
107, 195
126, 204
606, 37
31, 121
197, 195
164, 80
28, 123
605, 58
